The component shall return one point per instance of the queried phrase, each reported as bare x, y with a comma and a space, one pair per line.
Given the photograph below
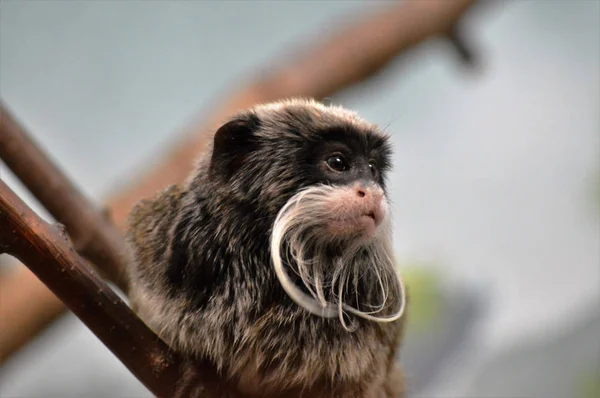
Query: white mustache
297, 226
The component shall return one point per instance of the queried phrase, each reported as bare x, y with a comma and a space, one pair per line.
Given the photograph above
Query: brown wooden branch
350, 55
93, 235
45, 249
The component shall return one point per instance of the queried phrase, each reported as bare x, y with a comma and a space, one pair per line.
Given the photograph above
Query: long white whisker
296, 229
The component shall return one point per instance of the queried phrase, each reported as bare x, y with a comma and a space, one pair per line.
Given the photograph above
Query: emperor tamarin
272, 264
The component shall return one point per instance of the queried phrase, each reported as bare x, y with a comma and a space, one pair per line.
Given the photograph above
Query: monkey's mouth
367, 218
363, 224
373, 215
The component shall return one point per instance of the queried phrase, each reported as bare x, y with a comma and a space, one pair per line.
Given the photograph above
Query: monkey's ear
233, 142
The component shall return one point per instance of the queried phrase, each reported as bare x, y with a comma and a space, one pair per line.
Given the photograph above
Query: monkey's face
353, 162
318, 175
267, 156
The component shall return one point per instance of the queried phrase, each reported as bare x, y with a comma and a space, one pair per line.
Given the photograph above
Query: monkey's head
317, 174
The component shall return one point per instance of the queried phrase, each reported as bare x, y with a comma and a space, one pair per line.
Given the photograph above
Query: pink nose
368, 193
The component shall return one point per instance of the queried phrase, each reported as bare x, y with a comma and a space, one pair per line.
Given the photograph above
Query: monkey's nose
369, 193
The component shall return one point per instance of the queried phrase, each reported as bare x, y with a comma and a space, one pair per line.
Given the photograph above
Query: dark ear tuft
233, 142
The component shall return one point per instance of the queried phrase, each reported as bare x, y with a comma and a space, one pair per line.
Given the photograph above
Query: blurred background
495, 188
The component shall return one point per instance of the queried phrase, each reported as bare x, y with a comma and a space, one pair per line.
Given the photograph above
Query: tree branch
93, 235
45, 249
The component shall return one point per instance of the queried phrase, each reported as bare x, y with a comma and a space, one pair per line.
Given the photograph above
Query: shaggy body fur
203, 277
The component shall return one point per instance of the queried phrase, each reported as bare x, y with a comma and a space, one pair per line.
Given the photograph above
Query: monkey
271, 265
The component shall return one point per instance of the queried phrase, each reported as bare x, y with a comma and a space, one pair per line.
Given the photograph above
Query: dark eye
373, 168
337, 163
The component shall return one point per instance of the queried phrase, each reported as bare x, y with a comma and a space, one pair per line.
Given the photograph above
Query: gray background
496, 175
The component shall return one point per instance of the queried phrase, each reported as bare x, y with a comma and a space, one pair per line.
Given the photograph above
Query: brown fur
202, 279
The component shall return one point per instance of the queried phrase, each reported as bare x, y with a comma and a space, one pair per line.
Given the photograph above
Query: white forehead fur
333, 111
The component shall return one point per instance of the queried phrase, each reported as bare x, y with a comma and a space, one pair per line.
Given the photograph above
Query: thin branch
93, 235
46, 251
464, 49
